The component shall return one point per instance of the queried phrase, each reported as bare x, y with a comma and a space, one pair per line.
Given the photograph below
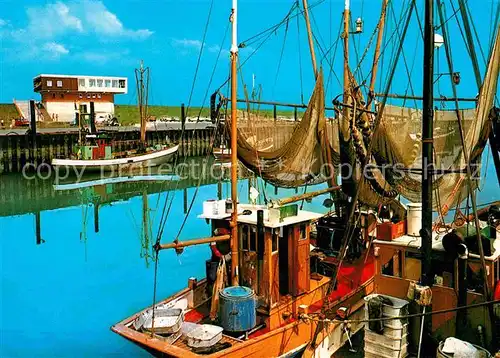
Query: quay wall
17, 148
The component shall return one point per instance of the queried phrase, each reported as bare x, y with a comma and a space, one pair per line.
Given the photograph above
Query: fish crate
399, 306
377, 350
389, 231
381, 339
393, 333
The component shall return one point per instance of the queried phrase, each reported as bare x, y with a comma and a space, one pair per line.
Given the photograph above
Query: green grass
8, 112
129, 114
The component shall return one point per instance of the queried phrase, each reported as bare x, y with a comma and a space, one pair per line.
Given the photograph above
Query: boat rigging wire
310, 316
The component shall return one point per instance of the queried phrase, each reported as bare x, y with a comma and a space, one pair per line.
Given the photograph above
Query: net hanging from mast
397, 146
284, 152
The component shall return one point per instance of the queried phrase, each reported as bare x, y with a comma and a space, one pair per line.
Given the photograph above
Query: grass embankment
8, 112
129, 114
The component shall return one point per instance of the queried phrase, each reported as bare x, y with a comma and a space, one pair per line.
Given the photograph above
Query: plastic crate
399, 306
376, 350
395, 333
392, 343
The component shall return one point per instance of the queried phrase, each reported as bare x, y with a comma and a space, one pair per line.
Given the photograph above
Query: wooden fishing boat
151, 159
95, 150
310, 272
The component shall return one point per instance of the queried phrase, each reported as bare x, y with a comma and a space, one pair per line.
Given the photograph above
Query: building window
122, 83
59, 83
49, 83
99, 83
115, 83
92, 82
107, 83
81, 82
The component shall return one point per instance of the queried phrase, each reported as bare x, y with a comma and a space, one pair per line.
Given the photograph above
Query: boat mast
346, 57
234, 149
427, 144
142, 99
310, 38
376, 56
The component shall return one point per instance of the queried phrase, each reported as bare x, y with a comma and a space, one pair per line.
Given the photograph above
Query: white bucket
414, 219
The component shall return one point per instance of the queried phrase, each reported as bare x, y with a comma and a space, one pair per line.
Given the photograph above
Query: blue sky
109, 37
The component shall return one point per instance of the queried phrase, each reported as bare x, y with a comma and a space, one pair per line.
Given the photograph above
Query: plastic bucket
414, 219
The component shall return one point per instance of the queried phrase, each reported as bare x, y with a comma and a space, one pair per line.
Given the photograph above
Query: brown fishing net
285, 152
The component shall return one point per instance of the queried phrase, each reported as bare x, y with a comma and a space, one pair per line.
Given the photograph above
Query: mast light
438, 41
359, 25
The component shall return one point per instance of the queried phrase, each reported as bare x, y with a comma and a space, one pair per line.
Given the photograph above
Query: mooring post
275, 115
183, 127
185, 200
295, 113
37, 229
93, 129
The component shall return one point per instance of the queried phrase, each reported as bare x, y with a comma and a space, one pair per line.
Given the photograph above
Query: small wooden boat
152, 159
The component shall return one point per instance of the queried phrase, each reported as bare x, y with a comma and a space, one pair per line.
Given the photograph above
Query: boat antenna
234, 147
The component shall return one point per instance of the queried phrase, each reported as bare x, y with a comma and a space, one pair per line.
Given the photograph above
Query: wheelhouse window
59, 83
49, 83
244, 238
100, 83
253, 239
115, 83
122, 83
92, 82
107, 83
81, 82
275, 239
303, 232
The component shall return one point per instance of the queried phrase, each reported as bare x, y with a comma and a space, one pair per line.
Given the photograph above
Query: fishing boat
298, 279
152, 158
95, 150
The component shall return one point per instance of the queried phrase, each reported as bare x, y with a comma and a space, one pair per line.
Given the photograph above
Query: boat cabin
97, 146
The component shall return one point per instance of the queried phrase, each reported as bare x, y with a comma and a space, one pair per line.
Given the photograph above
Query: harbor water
63, 289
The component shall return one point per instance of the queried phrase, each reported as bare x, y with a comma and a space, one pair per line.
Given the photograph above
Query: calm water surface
63, 291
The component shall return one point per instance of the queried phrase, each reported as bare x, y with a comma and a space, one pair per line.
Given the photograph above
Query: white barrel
414, 219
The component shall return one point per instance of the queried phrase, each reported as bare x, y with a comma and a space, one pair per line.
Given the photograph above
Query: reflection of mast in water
145, 233
96, 217
39, 239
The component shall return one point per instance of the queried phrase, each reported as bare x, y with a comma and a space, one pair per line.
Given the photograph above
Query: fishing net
288, 153
397, 145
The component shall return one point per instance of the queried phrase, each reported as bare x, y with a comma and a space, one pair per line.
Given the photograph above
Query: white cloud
3, 22
55, 48
102, 21
187, 44
51, 20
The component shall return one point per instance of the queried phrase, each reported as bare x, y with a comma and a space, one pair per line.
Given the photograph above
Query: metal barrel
237, 309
